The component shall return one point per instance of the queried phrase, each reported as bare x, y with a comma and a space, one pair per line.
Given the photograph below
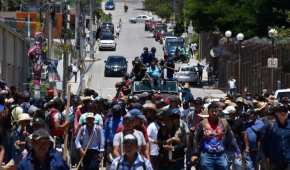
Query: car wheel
100, 49
106, 74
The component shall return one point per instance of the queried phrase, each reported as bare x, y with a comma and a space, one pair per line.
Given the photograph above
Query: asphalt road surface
130, 44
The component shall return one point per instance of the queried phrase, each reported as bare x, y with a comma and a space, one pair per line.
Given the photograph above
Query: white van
282, 93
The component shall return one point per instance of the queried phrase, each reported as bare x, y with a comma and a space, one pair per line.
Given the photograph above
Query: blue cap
135, 112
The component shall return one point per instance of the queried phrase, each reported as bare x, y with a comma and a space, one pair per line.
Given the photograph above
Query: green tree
252, 17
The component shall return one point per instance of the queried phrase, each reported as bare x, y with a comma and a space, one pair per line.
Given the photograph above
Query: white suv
279, 94
107, 41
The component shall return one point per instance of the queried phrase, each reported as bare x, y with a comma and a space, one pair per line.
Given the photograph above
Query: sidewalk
207, 90
75, 86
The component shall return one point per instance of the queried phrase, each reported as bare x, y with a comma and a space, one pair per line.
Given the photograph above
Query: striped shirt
141, 163
83, 138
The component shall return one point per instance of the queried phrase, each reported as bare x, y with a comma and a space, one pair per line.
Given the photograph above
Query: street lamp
240, 37
272, 34
228, 34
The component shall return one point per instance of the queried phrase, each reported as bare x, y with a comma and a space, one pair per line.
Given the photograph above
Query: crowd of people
143, 131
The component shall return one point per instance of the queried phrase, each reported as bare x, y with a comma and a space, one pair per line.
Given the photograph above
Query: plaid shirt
140, 163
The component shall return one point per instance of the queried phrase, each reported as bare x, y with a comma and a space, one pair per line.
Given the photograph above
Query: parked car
116, 66
187, 74
140, 19
167, 35
279, 94
159, 30
107, 41
170, 47
107, 26
109, 5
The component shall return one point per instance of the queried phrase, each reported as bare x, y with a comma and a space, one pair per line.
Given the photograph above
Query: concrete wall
14, 63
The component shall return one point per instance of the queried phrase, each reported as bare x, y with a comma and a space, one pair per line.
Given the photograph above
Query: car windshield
116, 60
109, 3
107, 36
283, 94
187, 69
145, 86
172, 43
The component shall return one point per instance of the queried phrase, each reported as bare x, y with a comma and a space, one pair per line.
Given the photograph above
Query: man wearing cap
112, 122
251, 139
212, 139
172, 140
149, 110
21, 134
131, 159
98, 117
90, 143
118, 145
277, 139
42, 156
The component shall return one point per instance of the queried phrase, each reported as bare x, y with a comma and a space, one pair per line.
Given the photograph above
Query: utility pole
77, 29
91, 29
50, 15
65, 49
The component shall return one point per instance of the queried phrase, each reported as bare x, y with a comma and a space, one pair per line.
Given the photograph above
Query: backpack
143, 164
50, 120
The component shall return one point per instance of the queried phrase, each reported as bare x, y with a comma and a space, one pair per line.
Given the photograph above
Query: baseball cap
41, 134
213, 105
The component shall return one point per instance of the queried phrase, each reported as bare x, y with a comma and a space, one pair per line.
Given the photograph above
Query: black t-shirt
170, 72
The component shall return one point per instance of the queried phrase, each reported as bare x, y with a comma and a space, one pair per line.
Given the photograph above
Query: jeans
209, 161
249, 163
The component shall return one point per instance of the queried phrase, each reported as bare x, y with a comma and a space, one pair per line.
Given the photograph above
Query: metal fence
14, 63
255, 74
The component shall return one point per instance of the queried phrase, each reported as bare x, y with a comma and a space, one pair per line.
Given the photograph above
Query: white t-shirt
119, 139
232, 83
74, 68
152, 131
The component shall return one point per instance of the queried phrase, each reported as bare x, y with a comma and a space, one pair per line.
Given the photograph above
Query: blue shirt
55, 162
141, 163
83, 138
253, 132
277, 142
111, 126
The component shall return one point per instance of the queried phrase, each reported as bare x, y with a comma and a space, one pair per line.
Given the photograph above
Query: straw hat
230, 103
24, 117
90, 115
83, 98
260, 106
149, 105
229, 110
204, 113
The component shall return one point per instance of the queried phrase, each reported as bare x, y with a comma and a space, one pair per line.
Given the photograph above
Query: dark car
107, 26
170, 47
109, 5
116, 66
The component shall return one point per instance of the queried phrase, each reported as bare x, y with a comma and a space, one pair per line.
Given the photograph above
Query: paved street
130, 44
